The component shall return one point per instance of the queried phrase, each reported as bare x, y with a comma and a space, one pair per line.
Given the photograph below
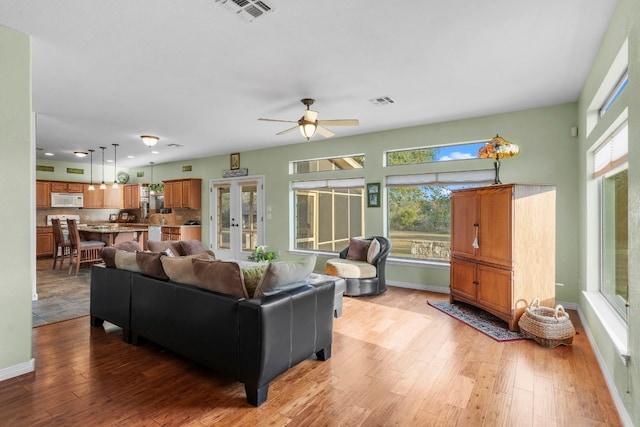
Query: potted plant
261, 254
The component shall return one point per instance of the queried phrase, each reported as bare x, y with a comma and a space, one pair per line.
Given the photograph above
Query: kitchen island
112, 234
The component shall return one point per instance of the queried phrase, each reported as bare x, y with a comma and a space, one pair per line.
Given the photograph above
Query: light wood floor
396, 361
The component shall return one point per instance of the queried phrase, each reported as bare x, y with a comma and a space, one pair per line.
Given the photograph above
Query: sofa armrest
110, 298
281, 330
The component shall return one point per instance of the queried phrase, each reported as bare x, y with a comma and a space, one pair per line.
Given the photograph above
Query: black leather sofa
251, 340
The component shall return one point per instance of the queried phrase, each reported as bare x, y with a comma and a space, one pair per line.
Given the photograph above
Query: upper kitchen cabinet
43, 194
66, 187
183, 193
133, 195
109, 198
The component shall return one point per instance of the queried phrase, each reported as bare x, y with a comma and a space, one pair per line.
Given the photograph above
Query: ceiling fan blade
340, 122
310, 115
276, 120
324, 132
287, 130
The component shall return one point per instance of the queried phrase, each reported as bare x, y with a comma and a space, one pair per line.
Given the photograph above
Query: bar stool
61, 245
82, 251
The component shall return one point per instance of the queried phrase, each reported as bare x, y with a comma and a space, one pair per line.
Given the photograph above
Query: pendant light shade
103, 186
149, 140
91, 186
115, 166
151, 186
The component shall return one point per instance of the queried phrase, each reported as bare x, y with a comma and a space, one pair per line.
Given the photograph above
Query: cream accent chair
363, 278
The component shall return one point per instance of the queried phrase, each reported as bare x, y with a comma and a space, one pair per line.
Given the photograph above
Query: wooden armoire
503, 240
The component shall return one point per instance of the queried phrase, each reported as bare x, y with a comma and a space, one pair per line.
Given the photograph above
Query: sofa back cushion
180, 269
174, 246
220, 276
108, 253
150, 264
284, 275
193, 247
126, 261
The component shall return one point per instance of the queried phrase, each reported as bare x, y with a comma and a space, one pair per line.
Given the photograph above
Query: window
328, 164
419, 212
442, 153
615, 93
327, 213
611, 169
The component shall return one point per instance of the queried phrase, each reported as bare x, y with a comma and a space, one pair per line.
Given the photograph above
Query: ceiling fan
309, 125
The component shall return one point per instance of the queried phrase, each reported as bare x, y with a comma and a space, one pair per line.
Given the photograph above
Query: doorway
237, 216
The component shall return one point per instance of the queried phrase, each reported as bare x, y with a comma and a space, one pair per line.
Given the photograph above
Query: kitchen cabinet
183, 193
109, 198
181, 232
66, 187
503, 248
132, 195
44, 241
43, 194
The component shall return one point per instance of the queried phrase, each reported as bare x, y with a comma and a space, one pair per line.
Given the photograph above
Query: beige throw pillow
284, 275
180, 269
373, 251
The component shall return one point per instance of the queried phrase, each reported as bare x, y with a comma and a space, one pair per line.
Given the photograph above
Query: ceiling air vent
249, 10
383, 100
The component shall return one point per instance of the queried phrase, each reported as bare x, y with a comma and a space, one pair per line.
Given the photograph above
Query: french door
237, 216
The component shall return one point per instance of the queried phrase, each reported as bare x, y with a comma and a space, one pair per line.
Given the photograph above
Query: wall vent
382, 100
248, 10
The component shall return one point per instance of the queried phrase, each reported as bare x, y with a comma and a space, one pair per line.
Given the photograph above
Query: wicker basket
546, 326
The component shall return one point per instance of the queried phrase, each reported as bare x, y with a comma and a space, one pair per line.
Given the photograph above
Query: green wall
18, 240
624, 26
547, 155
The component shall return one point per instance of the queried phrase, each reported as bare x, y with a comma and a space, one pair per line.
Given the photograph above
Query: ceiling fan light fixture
149, 140
80, 153
308, 130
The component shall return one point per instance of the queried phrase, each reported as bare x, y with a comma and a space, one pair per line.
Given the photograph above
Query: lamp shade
149, 140
308, 130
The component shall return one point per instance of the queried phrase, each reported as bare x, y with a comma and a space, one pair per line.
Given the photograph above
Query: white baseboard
17, 370
622, 410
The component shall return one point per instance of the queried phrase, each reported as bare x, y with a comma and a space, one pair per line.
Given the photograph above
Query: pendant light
115, 166
91, 186
103, 186
151, 186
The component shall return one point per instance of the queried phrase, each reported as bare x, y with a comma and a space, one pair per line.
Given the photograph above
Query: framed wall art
373, 195
234, 160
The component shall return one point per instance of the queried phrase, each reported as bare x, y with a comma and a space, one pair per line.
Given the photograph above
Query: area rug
478, 319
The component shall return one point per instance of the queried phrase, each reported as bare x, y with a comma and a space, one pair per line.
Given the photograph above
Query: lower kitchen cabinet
44, 241
181, 232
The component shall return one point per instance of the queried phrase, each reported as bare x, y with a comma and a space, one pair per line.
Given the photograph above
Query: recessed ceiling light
48, 154
155, 152
109, 161
130, 157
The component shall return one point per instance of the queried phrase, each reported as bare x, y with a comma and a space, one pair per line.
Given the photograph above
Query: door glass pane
223, 217
249, 217
615, 234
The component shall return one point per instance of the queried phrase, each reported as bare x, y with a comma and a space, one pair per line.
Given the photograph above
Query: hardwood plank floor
396, 361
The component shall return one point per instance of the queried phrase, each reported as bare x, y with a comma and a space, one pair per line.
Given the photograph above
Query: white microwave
67, 200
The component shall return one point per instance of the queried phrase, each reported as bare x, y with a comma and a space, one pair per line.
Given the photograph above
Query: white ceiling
197, 75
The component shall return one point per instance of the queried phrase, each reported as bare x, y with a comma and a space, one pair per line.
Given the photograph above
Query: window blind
612, 152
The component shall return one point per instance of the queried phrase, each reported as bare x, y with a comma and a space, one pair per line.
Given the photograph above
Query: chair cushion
350, 269
358, 249
373, 251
